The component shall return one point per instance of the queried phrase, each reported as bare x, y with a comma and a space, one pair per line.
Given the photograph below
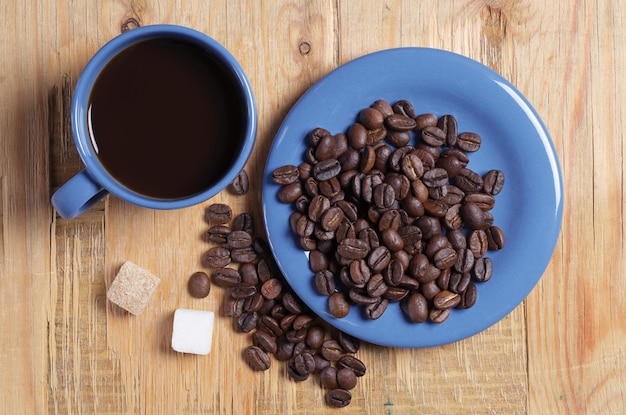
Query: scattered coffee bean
338, 398
241, 183
219, 214
199, 284
257, 358
262, 304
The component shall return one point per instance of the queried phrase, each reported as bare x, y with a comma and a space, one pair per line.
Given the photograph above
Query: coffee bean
445, 258
218, 213
429, 226
330, 147
359, 273
495, 238
493, 182
368, 159
271, 288
419, 189
449, 125
446, 299
396, 293
241, 184
357, 136
327, 169
247, 322
338, 398
320, 363
269, 324
360, 297
379, 258
328, 378
304, 363
371, 118
243, 255
243, 290
436, 177
438, 316
450, 164
391, 219
412, 166
338, 306
226, 277
376, 309
348, 343
433, 136
325, 282
315, 337
352, 363
285, 174
319, 204
478, 243
452, 218
332, 350
469, 142
239, 239
400, 122
457, 239
217, 257
383, 106
265, 341
376, 136
398, 138
382, 151
289, 193
332, 218
384, 196
249, 274
244, 222
346, 379
353, 248
468, 180
483, 268
254, 303
430, 290
256, 358
464, 260
316, 135
199, 285
284, 350
473, 216
404, 107
218, 234
459, 282
468, 296
415, 307
425, 120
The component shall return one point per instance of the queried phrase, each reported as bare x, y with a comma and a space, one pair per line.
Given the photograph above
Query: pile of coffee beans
389, 221
262, 304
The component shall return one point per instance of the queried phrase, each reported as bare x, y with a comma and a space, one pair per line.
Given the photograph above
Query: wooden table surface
65, 349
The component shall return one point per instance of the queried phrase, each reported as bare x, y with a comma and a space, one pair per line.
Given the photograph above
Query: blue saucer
529, 209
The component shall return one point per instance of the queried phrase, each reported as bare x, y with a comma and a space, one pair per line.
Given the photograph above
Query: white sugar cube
193, 331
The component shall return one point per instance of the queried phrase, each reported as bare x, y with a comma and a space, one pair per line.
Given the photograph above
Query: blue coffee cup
94, 182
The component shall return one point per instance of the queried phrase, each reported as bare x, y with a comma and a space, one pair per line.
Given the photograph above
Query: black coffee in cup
166, 119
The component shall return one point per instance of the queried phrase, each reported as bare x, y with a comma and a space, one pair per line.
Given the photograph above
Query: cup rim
80, 100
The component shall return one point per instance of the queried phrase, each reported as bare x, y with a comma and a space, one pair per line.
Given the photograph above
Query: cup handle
77, 195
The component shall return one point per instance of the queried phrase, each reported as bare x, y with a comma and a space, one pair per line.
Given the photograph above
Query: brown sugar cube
132, 288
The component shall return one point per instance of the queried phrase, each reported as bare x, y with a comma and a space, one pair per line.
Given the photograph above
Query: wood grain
65, 349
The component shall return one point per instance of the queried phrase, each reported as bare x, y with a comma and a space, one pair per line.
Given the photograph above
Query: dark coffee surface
165, 119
